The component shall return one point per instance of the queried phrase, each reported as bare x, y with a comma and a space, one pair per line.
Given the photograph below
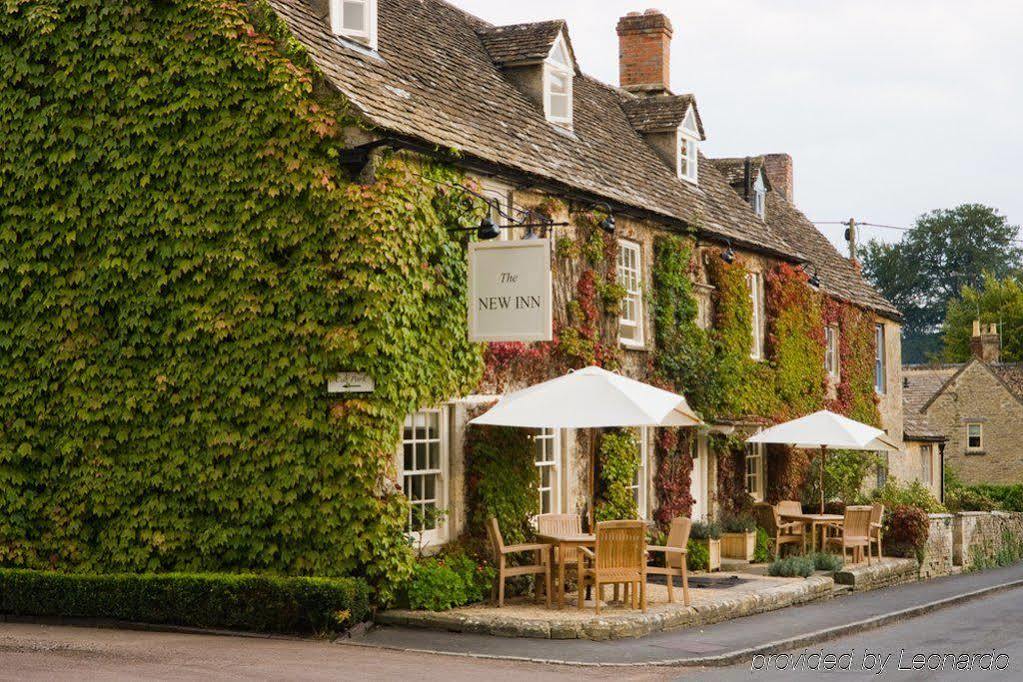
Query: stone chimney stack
985, 344
644, 53
779, 172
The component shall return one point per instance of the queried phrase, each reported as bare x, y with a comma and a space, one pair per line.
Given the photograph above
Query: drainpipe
941, 467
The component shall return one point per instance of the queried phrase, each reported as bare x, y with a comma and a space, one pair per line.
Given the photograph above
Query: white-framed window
831, 352
639, 485
926, 464
423, 467
689, 148
880, 370
755, 472
630, 276
355, 19
548, 461
558, 74
974, 436
755, 282
759, 197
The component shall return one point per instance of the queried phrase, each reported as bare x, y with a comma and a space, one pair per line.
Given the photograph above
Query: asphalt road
993, 625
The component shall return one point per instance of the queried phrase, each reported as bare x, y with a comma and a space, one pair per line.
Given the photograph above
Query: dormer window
759, 198
355, 19
688, 148
557, 84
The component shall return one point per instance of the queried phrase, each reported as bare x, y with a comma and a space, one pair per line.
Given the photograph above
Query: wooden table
814, 521
561, 543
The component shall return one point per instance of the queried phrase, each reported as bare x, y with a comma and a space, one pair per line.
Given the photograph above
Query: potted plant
709, 535
738, 537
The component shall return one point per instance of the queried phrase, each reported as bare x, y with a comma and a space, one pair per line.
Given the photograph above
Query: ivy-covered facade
208, 210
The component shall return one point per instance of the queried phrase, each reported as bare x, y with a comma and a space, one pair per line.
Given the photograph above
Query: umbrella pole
592, 447
824, 456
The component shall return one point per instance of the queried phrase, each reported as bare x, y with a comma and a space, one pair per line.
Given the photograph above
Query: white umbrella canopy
590, 398
826, 429
823, 430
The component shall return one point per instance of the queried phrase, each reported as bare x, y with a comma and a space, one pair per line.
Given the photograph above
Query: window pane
559, 105
354, 15
409, 456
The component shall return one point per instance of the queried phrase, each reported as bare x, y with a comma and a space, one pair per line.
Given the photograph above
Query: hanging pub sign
510, 291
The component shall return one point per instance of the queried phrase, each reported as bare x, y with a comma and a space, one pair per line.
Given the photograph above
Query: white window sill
632, 345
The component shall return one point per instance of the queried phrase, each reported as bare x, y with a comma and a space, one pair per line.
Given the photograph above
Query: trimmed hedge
233, 602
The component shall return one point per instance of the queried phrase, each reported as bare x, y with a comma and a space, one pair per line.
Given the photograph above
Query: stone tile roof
521, 43
838, 276
661, 113
433, 80
733, 169
919, 385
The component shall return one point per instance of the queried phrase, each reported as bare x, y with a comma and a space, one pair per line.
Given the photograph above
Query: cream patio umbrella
590, 398
823, 430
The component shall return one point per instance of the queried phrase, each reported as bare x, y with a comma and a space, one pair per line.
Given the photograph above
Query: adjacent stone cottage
977, 406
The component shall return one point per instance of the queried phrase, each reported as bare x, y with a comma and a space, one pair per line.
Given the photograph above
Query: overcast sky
889, 108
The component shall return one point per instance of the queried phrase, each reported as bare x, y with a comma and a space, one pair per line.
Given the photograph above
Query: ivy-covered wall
714, 369
183, 268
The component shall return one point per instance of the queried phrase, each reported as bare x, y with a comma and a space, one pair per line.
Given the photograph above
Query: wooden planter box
714, 554
738, 545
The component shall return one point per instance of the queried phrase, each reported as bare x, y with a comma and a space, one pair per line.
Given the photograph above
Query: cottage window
880, 373
831, 352
355, 19
548, 461
759, 197
926, 464
630, 276
558, 74
755, 470
755, 282
639, 484
688, 148
423, 465
974, 436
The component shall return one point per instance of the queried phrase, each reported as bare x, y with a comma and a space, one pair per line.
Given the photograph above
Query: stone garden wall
981, 536
968, 540
939, 553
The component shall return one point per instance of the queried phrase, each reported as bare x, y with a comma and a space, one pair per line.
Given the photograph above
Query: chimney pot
644, 52
985, 344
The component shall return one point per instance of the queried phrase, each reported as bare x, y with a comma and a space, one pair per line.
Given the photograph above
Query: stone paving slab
881, 573
523, 618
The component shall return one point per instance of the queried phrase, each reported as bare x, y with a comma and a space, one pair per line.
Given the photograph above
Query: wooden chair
674, 557
501, 551
561, 524
782, 533
854, 533
618, 556
876, 522
794, 507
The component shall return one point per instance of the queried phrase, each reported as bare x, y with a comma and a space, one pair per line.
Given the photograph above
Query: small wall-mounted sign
351, 382
510, 291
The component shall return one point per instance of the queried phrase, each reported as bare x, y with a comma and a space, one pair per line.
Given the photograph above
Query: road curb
738, 655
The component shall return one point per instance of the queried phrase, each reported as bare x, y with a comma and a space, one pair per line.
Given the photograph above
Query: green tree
946, 250
998, 301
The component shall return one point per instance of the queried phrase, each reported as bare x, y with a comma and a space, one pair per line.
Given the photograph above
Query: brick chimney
779, 172
644, 52
985, 343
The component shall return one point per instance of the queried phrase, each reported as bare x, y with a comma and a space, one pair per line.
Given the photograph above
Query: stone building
528, 126
977, 405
